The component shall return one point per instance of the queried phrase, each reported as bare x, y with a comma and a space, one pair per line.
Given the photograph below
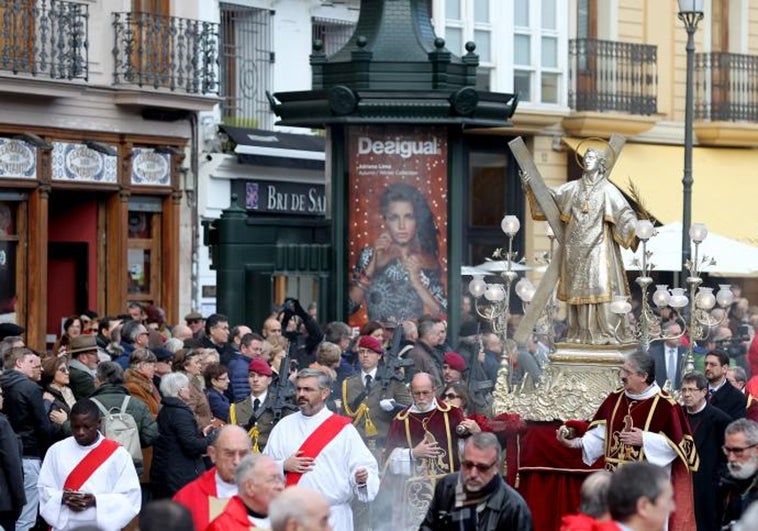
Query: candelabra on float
496, 309
701, 299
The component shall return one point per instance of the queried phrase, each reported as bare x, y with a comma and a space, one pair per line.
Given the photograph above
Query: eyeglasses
450, 396
481, 467
736, 450
64, 370
684, 390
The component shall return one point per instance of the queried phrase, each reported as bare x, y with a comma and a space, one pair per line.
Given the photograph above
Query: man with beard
422, 446
477, 497
707, 424
721, 393
321, 450
639, 422
739, 487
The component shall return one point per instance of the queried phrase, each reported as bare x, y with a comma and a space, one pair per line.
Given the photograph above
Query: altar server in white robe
87, 479
323, 451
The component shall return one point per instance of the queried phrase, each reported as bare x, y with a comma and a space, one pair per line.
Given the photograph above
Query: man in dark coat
477, 497
721, 393
12, 498
28, 416
708, 424
739, 486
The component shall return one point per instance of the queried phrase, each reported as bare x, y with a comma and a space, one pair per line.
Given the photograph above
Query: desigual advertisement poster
397, 223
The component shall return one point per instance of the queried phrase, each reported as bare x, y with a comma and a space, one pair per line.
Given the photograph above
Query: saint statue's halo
609, 153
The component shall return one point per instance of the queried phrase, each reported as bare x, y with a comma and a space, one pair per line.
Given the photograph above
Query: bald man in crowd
299, 509
207, 496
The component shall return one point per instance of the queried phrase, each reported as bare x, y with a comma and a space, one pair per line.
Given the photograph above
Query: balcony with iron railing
47, 39
726, 98
165, 53
608, 79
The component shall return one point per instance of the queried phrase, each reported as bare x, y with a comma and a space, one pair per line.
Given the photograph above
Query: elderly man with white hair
299, 509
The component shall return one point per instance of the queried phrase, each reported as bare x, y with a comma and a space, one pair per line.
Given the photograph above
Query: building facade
582, 68
98, 126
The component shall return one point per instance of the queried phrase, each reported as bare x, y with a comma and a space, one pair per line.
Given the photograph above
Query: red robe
407, 430
196, 495
659, 414
234, 517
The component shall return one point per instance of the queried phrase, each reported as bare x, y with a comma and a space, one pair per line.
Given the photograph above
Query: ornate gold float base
574, 383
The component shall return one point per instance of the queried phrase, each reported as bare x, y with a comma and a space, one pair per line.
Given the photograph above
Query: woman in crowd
138, 380
457, 395
57, 394
189, 363
178, 452
72, 327
216, 383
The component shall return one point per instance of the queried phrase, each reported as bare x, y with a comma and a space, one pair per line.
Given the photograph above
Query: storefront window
143, 254
8, 249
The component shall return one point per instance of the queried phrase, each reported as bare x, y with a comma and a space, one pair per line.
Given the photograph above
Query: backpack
120, 426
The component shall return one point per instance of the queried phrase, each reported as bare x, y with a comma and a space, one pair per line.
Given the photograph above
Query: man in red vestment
640, 422
259, 480
207, 496
422, 446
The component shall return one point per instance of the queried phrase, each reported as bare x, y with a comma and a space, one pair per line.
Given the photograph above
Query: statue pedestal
574, 383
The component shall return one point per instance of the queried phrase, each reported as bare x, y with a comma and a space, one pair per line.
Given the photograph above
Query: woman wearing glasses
57, 394
457, 395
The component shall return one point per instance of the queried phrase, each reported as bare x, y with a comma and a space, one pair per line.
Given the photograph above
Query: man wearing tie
251, 412
721, 393
668, 357
368, 400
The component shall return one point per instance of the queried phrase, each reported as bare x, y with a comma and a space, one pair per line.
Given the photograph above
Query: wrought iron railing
44, 37
612, 76
161, 51
726, 87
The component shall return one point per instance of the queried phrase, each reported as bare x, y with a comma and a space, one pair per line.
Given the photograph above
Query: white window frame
536, 32
468, 26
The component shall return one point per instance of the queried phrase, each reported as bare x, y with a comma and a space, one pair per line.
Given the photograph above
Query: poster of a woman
398, 224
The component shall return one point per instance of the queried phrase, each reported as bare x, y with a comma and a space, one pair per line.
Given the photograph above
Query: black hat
162, 354
10, 329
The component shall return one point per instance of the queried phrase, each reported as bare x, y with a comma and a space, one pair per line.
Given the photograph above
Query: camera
734, 348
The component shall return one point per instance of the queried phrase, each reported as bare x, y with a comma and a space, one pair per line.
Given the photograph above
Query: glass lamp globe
724, 297
661, 296
477, 286
705, 299
644, 229
698, 232
510, 225
678, 298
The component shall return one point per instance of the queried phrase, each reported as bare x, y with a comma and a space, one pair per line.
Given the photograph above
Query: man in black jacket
477, 497
12, 498
29, 418
721, 393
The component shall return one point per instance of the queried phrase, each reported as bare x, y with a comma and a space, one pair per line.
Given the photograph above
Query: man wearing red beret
453, 367
370, 396
252, 412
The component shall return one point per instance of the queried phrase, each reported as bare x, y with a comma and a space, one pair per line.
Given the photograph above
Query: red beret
371, 343
454, 361
259, 366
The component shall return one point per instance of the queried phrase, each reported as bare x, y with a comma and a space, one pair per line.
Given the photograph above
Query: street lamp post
690, 13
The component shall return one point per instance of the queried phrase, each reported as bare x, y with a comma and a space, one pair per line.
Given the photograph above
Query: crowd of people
389, 428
